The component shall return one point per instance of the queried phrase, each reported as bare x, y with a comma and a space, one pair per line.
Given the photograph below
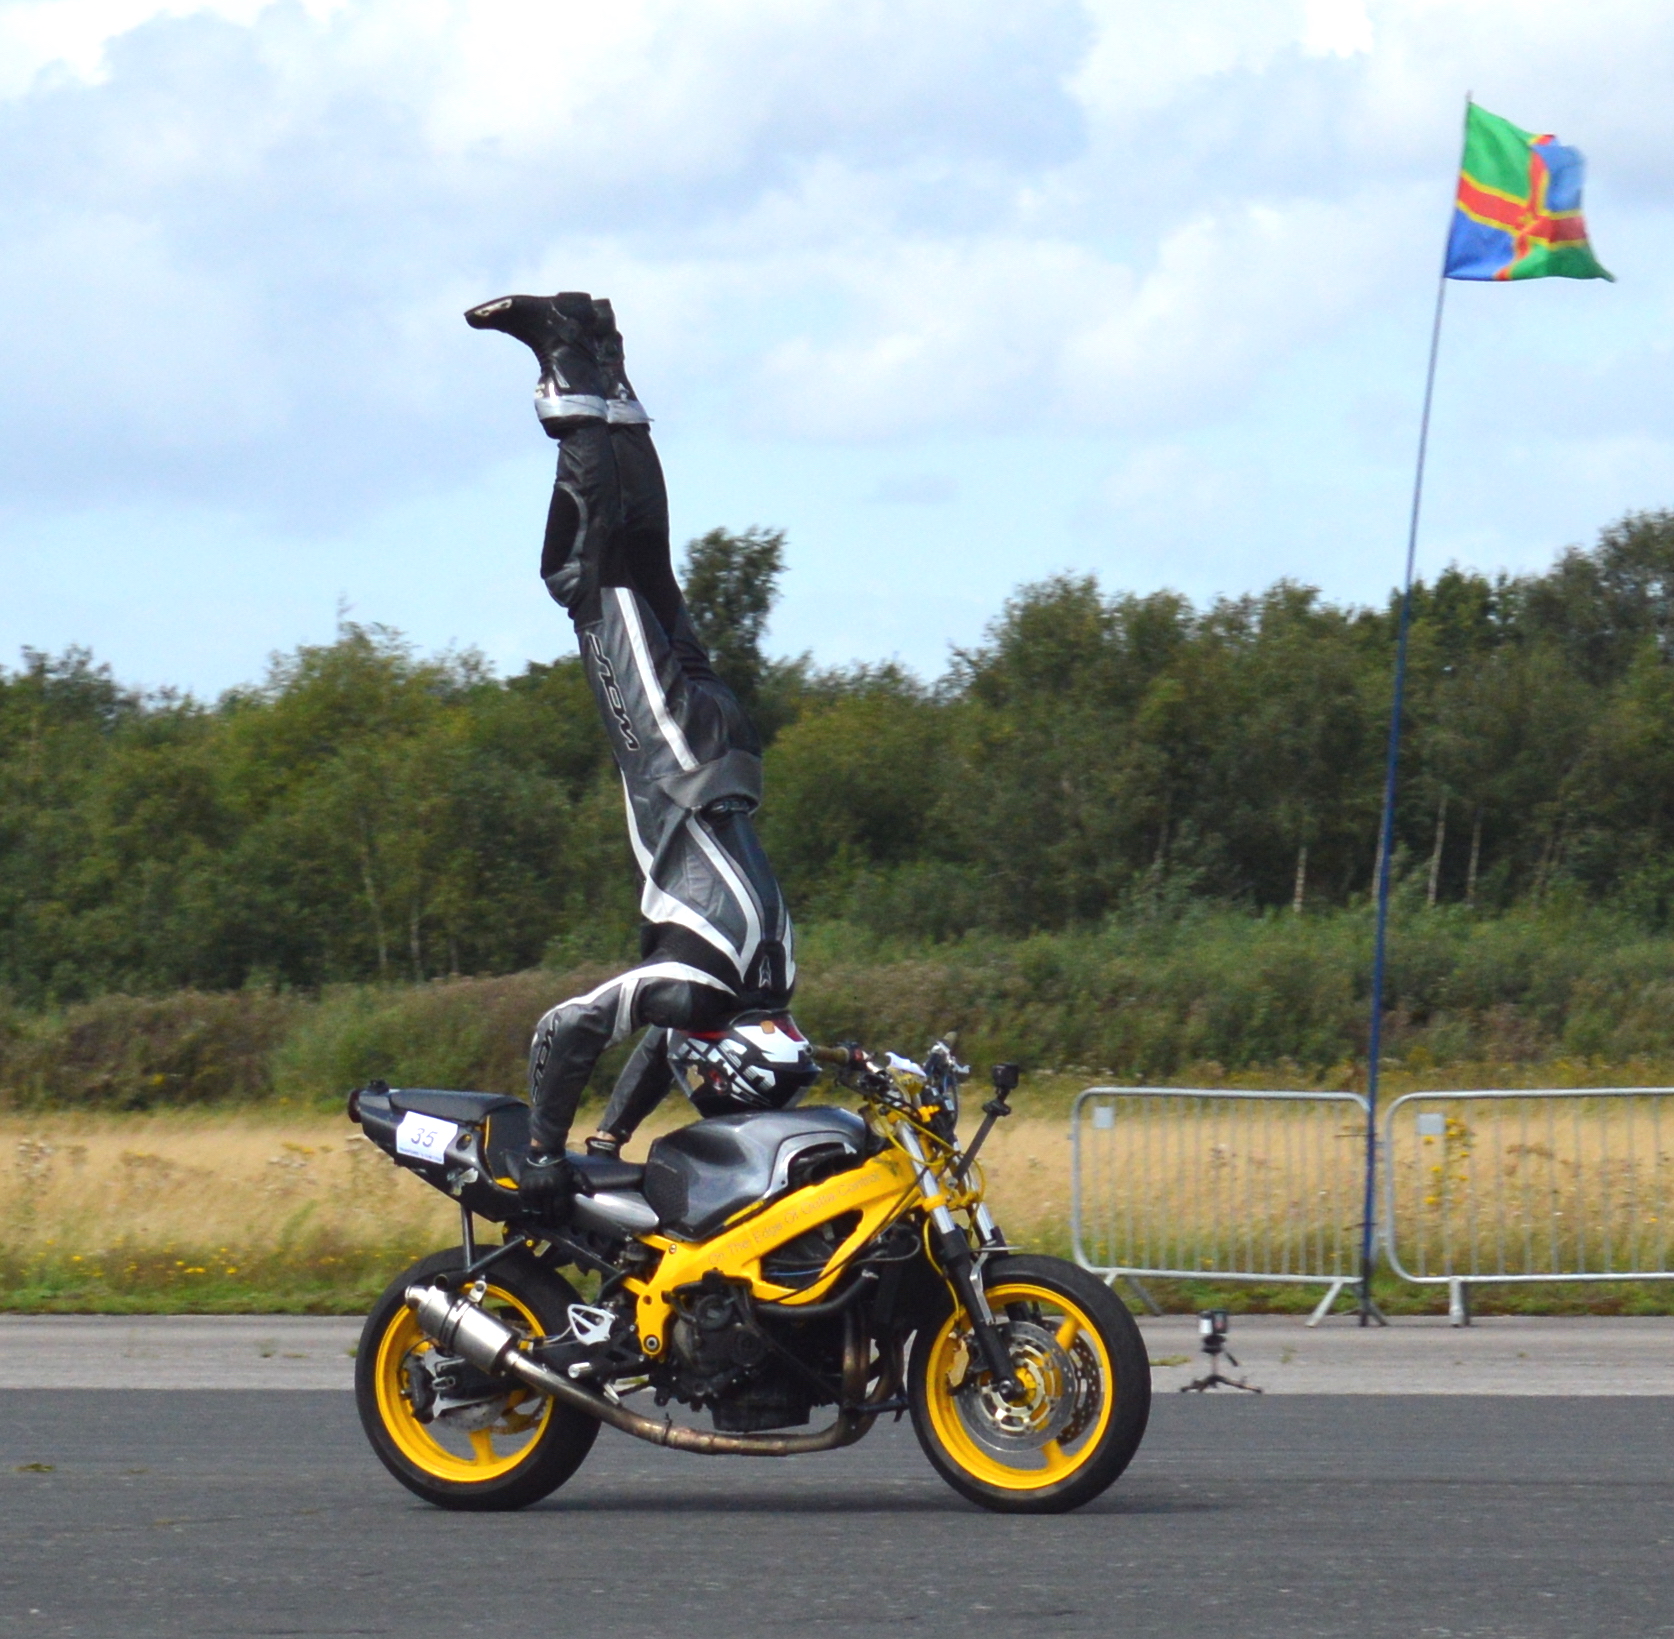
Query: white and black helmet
759, 1061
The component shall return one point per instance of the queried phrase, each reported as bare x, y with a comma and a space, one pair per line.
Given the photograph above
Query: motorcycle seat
507, 1150
508, 1132
468, 1109
603, 1173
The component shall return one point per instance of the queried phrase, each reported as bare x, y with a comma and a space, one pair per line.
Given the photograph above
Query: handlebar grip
842, 1057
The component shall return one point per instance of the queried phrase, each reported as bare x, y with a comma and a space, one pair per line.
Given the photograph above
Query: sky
958, 293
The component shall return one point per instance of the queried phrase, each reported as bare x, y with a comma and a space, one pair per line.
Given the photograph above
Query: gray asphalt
1428, 1517
1505, 1354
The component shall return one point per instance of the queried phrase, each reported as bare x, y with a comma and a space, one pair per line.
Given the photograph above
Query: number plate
424, 1136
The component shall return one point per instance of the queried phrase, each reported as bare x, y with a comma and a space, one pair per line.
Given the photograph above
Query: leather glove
547, 1185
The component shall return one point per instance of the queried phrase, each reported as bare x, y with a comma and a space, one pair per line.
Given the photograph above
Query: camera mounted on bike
1006, 1078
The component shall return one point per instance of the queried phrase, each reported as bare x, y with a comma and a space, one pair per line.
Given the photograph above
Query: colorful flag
1518, 215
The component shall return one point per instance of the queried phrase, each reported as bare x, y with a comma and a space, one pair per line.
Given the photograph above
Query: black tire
1087, 1391
547, 1441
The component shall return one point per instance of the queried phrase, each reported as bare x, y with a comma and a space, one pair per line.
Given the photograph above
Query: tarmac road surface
1503, 1354
1447, 1516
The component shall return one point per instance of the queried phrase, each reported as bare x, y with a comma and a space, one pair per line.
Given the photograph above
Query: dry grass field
217, 1211
260, 1210
198, 1211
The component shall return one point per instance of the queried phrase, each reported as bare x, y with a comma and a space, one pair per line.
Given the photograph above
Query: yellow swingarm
880, 1190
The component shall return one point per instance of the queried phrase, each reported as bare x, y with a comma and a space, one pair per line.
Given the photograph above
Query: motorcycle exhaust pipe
462, 1328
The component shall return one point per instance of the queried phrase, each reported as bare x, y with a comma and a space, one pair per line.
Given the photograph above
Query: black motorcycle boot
558, 330
622, 403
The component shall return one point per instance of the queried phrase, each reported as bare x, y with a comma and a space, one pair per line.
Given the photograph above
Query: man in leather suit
716, 939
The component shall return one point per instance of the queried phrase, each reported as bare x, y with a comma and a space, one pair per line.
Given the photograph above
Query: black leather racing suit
717, 938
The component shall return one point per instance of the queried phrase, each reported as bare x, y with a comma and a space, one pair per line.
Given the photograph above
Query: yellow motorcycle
757, 1266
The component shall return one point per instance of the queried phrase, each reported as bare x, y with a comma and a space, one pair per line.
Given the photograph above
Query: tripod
1212, 1325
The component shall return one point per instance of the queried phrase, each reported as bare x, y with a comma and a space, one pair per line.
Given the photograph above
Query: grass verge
205, 1212
266, 1211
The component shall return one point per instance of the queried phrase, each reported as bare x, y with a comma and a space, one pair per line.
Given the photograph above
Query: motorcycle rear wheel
528, 1448
1085, 1401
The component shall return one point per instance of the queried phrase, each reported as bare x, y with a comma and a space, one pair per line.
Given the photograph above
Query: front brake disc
1040, 1412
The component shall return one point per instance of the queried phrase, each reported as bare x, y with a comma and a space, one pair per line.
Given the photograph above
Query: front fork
961, 1268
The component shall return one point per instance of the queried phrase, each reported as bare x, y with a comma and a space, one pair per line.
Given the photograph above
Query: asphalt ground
1448, 1516
1511, 1354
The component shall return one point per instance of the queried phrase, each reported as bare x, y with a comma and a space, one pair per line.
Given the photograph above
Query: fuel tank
699, 1176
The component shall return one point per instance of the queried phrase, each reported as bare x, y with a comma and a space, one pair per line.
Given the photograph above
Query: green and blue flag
1518, 211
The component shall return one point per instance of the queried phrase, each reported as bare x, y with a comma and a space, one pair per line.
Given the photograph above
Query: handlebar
842, 1057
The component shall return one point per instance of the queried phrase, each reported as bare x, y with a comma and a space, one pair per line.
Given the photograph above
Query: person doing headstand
716, 938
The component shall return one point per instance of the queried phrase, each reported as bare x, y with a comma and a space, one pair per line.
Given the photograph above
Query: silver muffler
462, 1328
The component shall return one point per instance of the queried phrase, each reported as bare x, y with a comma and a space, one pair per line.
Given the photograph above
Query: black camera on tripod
1212, 1327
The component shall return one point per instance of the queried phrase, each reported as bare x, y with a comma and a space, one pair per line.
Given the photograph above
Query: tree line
366, 811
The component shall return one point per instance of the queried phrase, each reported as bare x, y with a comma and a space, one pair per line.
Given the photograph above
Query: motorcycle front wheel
505, 1451
1084, 1399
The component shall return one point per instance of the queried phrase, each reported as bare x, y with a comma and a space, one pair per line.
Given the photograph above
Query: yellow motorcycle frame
479, 1385
913, 1173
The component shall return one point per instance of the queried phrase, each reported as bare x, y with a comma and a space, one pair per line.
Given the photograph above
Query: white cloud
1143, 56
1001, 330
1157, 477
245, 231
1336, 28
70, 37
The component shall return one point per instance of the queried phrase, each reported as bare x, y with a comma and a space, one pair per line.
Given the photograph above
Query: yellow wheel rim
462, 1455
1053, 1428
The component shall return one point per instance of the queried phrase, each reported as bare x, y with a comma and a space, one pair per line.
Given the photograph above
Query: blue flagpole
1386, 833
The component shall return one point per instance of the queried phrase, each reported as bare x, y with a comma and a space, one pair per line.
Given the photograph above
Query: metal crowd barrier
1546, 1185
1183, 1183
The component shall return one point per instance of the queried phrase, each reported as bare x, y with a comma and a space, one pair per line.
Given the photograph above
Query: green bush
1210, 994
137, 1053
